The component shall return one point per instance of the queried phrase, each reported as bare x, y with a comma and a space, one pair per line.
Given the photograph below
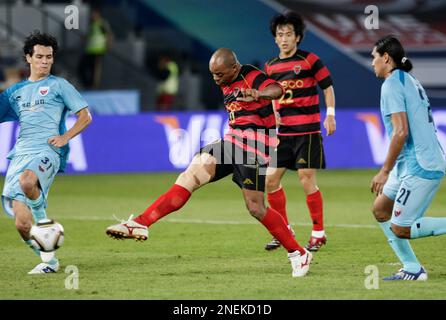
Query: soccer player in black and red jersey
298, 118
244, 152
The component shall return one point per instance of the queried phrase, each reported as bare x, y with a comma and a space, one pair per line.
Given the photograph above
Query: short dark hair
289, 17
394, 48
37, 38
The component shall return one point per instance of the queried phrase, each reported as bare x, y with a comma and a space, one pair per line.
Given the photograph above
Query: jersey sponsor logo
233, 106
297, 69
292, 84
37, 106
44, 91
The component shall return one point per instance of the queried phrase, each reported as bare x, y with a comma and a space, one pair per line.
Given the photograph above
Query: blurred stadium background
129, 135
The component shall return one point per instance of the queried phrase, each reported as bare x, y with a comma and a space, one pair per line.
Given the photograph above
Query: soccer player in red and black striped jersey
299, 121
244, 153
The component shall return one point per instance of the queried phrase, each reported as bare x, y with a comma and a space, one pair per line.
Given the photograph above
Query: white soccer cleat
300, 263
128, 230
44, 267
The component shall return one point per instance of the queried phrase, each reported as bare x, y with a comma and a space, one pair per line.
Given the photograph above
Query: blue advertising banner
168, 141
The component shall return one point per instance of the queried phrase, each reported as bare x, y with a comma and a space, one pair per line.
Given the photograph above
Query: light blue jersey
422, 154
41, 108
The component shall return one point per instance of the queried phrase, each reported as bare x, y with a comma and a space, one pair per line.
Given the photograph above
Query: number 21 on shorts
403, 196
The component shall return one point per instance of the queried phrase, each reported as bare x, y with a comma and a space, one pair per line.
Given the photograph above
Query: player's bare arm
271, 92
83, 120
399, 136
276, 113
330, 122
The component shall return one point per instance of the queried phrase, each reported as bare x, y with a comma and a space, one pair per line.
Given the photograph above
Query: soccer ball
47, 235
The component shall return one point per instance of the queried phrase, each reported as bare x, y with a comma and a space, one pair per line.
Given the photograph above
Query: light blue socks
48, 257
28, 242
37, 207
38, 211
402, 249
428, 226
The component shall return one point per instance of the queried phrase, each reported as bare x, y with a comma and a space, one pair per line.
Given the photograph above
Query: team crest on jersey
297, 69
44, 91
397, 212
236, 91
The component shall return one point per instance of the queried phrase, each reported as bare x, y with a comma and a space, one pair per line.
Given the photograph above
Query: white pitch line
223, 222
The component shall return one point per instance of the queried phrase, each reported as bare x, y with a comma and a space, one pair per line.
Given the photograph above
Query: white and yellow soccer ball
47, 235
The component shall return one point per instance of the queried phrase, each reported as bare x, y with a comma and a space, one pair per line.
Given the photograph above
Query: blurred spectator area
130, 64
190, 30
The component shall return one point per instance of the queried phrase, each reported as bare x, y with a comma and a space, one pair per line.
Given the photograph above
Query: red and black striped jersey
251, 124
299, 75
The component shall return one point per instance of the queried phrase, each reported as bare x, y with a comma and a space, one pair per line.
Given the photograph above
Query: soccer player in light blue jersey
40, 104
415, 162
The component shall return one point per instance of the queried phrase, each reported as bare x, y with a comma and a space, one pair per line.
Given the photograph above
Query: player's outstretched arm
83, 120
271, 92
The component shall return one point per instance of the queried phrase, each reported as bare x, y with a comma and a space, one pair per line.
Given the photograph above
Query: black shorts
299, 152
248, 172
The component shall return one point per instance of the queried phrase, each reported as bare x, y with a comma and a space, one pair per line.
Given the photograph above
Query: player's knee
24, 227
191, 179
380, 214
401, 232
256, 209
272, 184
28, 181
307, 181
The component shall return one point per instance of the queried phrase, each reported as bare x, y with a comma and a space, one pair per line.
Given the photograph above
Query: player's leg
418, 195
29, 182
282, 159
251, 179
412, 199
307, 178
36, 179
23, 222
310, 157
16, 209
276, 199
383, 207
276, 226
20, 186
199, 172
276, 194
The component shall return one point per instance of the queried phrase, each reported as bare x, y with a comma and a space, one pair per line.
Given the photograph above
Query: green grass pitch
212, 248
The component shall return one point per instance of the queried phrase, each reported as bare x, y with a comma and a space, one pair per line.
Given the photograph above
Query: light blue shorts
45, 165
412, 196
